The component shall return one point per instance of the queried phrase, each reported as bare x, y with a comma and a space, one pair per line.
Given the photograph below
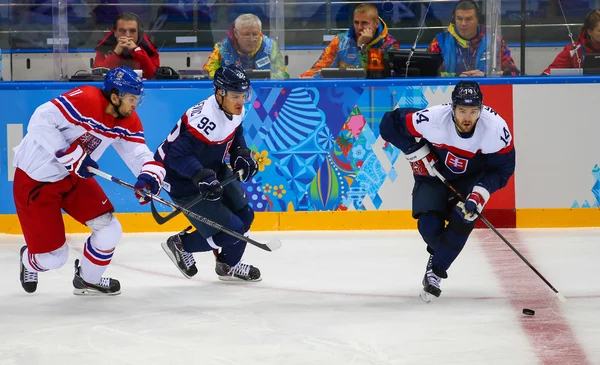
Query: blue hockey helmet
231, 78
467, 93
124, 80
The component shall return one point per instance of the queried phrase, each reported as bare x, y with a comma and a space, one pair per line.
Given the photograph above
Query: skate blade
232, 279
173, 258
93, 293
427, 297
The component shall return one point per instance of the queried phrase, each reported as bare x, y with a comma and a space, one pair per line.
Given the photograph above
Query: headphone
477, 10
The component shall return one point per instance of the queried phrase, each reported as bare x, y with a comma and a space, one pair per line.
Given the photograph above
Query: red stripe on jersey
411, 126
87, 127
457, 151
201, 136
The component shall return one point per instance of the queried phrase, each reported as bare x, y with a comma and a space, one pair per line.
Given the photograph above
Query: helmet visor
131, 99
239, 96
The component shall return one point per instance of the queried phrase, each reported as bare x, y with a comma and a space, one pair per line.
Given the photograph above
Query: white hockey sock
41, 262
94, 262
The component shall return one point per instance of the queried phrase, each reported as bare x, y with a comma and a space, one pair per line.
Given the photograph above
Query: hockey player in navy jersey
193, 155
472, 147
64, 137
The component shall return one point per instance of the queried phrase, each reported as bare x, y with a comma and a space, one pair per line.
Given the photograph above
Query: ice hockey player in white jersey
472, 147
193, 155
64, 137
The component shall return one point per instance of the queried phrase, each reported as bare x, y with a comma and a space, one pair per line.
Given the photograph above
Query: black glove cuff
202, 175
242, 151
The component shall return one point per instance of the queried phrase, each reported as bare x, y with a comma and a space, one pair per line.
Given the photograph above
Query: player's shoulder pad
434, 115
498, 138
84, 96
197, 110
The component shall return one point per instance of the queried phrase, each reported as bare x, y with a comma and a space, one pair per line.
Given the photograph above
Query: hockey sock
232, 255
94, 261
195, 242
431, 227
246, 215
46, 261
452, 242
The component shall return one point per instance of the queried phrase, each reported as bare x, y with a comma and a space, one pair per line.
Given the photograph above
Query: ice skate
239, 272
107, 286
431, 284
29, 279
183, 260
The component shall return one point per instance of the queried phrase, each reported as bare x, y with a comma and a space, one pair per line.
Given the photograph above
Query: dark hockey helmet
124, 80
467, 93
231, 78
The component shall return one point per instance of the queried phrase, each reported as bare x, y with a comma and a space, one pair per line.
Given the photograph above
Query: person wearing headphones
349, 49
127, 45
588, 42
463, 45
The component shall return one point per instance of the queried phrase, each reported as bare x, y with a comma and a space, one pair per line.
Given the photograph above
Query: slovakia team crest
457, 165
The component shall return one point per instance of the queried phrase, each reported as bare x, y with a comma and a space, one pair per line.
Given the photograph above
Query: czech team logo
456, 164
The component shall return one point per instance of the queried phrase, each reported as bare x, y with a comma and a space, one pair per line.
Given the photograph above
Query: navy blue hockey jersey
201, 139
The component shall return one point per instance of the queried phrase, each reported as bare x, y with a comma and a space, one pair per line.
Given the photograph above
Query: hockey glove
241, 159
208, 185
474, 204
150, 179
422, 161
76, 161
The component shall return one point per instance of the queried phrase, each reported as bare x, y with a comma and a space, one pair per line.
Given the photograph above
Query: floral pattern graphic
278, 191
262, 159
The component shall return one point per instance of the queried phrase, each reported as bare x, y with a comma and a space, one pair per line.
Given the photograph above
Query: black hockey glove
241, 159
208, 185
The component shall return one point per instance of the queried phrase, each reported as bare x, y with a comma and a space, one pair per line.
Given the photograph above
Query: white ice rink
326, 298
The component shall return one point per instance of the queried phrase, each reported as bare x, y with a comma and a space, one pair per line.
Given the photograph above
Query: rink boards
324, 165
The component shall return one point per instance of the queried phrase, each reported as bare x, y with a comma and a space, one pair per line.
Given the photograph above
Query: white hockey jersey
79, 114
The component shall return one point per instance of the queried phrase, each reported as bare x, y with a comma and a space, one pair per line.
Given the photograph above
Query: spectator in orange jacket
588, 42
349, 49
127, 45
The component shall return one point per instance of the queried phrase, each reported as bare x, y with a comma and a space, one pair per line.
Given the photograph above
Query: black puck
529, 312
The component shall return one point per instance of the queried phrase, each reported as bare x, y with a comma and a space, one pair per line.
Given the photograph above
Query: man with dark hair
194, 158
467, 143
463, 45
127, 45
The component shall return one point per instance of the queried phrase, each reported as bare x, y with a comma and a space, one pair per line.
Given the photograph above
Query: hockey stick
162, 220
487, 223
269, 246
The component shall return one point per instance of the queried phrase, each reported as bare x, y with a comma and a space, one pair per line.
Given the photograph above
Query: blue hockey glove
474, 204
208, 185
241, 159
150, 179
76, 160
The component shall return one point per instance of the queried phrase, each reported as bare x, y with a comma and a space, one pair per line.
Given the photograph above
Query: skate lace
240, 269
31, 276
188, 259
433, 279
104, 282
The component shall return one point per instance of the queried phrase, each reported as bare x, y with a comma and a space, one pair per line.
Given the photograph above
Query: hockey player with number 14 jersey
193, 156
471, 146
64, 137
